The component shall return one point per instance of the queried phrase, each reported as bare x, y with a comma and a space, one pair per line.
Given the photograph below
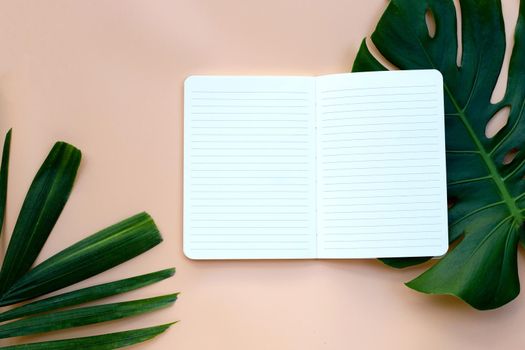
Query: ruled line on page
377, 95
376, 189
353, 197
250, 184
248, 127
381, 240
382, 167
244, 249
379, 109
352, 154
249, 134
388, 174
380, 226
375, 203
251, 212
415, 137
249, 113
248, 206
247, 92
360, 132
247, 106
386, 217
215, 156
248, 149
402, 247
344, 234
378, 182
378, 116
379, 124
250, 234
248, 190
249, 141
243, 120
247, 99
363, 88
389, 210
375, 102
381, 145
215, 227
246, 177
376, 160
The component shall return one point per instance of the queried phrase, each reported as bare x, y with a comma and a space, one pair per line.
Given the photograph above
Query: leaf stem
493, 171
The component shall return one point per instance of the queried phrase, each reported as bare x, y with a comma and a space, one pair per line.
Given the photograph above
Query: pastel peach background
107, 76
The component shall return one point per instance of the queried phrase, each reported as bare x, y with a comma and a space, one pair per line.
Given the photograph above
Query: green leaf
365, 61
97, 342
85, 295
488, 193
95, 254
401, 263
84, 316
4, 167
40, 211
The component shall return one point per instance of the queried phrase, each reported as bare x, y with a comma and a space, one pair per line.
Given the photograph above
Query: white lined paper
381, 166
249, 170
340, 166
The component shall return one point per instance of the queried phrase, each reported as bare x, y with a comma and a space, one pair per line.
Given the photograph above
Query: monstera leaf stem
494, 173
491, 167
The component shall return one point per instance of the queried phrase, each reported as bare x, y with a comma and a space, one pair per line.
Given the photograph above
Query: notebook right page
381, 165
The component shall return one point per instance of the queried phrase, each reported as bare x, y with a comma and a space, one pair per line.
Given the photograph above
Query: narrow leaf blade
4, 170
91, 256
42, 206
97, 342
86, 295
84, 316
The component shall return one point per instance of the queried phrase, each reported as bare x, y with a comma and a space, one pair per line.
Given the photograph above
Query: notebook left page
249, 167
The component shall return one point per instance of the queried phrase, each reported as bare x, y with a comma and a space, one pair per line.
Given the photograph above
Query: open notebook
336, 166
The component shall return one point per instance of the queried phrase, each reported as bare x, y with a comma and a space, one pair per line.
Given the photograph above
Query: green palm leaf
3, 177
97, 342
97, 253
487, 193
42, 206
83, 316
86, 295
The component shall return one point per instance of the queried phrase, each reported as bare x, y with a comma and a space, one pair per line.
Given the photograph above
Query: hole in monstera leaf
378, 56
459, 36
509, 157
497, 122
510, 19
431, 23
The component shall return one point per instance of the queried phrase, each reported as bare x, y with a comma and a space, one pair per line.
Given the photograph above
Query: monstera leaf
486, 185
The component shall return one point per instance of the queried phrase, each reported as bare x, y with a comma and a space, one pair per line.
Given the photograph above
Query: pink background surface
107, 76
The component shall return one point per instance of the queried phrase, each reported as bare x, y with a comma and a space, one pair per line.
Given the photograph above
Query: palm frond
83, 316
97, 342
41, 208
86, 295
4, 167
97, 253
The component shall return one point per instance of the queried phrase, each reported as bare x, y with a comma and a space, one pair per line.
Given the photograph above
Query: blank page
249, 167
381, 165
